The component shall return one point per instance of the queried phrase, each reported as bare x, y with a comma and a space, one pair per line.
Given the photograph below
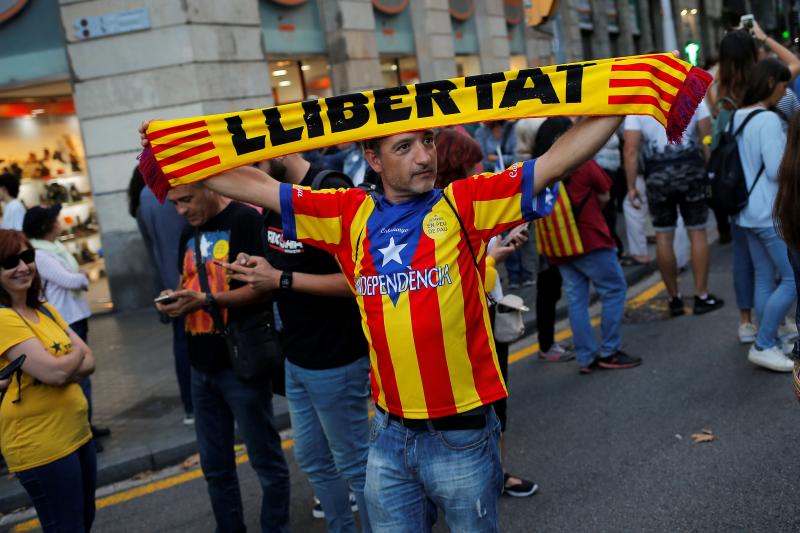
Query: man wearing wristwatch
219, 230
327, 363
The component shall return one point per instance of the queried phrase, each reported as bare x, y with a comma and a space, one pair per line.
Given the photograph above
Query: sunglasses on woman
11, 262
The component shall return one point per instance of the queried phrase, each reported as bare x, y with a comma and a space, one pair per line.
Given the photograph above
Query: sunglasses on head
11, 262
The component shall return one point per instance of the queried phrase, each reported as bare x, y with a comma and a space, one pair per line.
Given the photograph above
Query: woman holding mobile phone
44, 426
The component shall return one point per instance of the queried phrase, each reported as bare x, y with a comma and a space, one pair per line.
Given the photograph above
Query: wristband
286, 280
210, 302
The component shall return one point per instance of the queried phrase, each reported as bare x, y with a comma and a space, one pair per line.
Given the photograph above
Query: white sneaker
771, 358
747, 332
188, 420
788, 330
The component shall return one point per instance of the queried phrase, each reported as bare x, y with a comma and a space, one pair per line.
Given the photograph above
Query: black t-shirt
237, 228
319, 332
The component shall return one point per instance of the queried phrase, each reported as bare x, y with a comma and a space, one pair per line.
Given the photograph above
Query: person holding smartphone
45, 436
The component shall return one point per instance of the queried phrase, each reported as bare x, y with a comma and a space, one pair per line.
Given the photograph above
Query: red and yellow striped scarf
188, 150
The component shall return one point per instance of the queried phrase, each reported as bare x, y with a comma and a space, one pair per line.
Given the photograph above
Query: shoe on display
707, 304
770, 358
747, 332
619, 361
522, 489
557, 354
788, 330
676, 306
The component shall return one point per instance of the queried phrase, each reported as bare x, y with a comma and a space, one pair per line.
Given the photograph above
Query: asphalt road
611, 451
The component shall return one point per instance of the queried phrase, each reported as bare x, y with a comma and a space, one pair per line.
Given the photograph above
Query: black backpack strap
319, 179
746, 120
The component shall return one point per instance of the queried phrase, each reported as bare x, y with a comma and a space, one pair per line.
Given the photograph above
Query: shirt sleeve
313, 217
495, 203
53, 271
12, 330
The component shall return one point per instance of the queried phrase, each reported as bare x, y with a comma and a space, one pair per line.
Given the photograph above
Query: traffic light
692, 51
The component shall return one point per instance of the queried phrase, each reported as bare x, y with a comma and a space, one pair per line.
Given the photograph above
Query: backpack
726, 186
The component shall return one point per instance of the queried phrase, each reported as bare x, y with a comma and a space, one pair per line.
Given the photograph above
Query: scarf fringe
686, 101
153, 176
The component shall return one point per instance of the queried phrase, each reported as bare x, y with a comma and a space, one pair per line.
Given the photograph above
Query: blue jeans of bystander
411, 473
772, 298
330, 421
63, 491
601, 268
220, 399
743, 272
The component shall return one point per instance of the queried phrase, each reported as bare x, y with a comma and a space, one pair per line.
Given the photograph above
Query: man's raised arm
579, 144
245, 184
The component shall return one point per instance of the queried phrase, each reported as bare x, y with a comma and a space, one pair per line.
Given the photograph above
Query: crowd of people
401, 223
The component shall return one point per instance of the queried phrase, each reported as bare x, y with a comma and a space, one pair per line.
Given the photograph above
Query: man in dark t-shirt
327, 363
221, 229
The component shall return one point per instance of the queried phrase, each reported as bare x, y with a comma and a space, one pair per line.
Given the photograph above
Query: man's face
406, 163
193, 202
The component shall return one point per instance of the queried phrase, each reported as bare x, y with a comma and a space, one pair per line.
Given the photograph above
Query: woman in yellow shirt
44, 428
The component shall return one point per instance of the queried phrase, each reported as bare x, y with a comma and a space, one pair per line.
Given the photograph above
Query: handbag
509, 325
251, 344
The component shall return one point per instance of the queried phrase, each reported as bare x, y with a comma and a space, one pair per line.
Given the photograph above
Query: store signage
390, 7
539, 11
112, 23
9, 8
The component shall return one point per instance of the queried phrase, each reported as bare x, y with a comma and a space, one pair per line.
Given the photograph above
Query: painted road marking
179, 479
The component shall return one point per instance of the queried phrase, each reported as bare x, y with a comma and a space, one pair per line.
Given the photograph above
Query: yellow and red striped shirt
423, 307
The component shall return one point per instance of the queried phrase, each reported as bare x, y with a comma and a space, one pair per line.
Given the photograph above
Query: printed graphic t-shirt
423, 307
48, 422
319, 332
234, 230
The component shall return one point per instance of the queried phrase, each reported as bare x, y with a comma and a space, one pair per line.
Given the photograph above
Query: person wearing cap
64, 284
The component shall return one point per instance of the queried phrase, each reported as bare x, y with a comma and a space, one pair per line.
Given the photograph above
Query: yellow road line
179, 479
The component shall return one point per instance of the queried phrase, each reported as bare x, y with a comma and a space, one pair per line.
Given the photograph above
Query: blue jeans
743, 272
411, 473
63, 491
219, 400
601, 268
330, 419
772, 298
180, 351
794, 260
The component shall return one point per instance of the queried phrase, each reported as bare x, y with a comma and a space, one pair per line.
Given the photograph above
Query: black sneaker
619, 361
519, 490
676, 306
707, 304
588, 369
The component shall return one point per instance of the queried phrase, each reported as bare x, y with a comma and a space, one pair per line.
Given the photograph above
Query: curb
170, 452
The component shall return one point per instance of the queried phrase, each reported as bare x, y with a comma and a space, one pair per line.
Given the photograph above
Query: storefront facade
76, 79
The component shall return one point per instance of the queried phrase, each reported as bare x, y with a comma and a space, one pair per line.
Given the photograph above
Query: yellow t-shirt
48, 422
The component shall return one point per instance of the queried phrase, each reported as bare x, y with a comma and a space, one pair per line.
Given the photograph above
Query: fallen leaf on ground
141, 476
705, 435
191, 461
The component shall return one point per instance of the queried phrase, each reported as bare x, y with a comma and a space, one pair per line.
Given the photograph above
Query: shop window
294, 80
40, 142
399, 71
468, 65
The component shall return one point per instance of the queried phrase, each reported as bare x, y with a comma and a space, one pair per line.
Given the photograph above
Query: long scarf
187, 150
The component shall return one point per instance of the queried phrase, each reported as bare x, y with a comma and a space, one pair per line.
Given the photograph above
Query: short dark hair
764, 77
373, 144
11, 183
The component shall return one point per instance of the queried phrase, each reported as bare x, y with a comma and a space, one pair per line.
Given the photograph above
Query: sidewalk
136, 395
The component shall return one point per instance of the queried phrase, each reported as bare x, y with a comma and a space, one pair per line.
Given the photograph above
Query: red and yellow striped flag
557, 234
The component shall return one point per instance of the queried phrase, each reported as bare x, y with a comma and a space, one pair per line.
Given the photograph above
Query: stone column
198, 57
352, 48
626, 16
570, 32
433, 39
650, 36
539, 45
601, 43
493, 46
